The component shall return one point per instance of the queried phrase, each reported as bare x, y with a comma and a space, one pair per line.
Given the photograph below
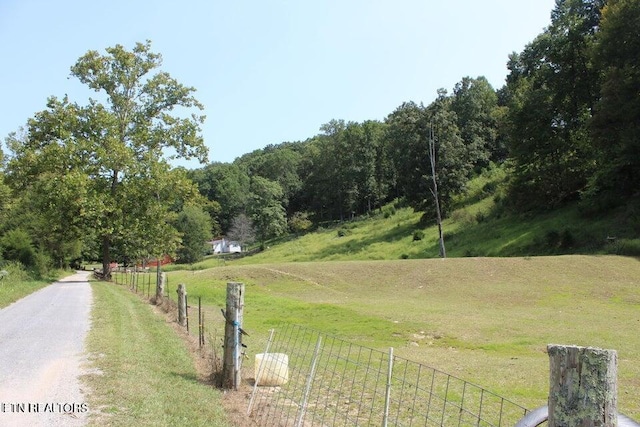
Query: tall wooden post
582, 387
182, 304
232, 360
161, 280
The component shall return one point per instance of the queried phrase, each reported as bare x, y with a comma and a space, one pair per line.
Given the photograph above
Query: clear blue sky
268, 71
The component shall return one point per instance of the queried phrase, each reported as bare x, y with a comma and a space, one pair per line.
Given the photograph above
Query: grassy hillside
479, 225
487, 320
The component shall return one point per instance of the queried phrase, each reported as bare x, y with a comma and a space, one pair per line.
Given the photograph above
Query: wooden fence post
182, 304
160, 287
232, 360
582, 387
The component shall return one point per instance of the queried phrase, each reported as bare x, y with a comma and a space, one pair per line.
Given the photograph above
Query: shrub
625, 247
300, 222
566, 239
471, 253
15, 272
17, 246
404, 256
418, 235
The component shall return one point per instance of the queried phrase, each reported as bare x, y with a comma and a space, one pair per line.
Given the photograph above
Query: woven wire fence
309, 379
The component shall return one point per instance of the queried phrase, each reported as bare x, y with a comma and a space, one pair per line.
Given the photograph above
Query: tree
474, 101
194, 226
553, 88
227, 184
265, 208
279, 163
615, 126
407, 134
324, 181
409, 129
242, 230
117, 149
454, 160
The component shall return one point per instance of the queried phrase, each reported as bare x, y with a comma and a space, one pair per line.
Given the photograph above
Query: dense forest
93, 182
565, 126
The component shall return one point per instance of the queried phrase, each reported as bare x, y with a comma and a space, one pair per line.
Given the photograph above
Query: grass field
146, 376
486, 320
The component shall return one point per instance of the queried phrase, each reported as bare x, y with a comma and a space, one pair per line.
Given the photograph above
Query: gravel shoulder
41, 355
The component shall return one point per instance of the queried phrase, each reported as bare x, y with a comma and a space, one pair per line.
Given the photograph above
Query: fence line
337, 383
325, 381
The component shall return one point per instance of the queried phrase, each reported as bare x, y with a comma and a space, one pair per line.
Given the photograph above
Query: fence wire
310, 379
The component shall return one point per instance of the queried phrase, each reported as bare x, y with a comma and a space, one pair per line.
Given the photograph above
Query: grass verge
18, 284
143, 374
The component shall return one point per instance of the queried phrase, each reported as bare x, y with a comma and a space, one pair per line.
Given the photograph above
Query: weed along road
41, 349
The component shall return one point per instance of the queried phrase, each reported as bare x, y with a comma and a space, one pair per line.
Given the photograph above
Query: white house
224, 246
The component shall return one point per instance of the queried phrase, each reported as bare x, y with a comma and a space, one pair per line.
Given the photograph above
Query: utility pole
434, 189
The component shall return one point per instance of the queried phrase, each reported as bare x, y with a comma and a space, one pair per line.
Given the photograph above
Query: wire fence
309, 379
306, 378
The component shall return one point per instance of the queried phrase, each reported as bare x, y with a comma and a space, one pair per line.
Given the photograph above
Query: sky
267, 71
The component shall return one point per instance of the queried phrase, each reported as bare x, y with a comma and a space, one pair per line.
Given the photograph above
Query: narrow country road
41, 354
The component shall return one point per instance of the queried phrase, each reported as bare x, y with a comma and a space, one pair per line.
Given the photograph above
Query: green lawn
146, 375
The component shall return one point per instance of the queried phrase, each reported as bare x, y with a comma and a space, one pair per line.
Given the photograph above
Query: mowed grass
486, 320
146, 377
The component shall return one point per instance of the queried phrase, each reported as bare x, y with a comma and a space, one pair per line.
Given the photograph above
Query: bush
300, 222
625, 247
15, 272
17, 246
418, 235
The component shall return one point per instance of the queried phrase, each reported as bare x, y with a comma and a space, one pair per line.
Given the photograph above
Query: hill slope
479, 225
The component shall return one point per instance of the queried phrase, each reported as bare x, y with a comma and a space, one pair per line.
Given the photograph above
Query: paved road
41, 353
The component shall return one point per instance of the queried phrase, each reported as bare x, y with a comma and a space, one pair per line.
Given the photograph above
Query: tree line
95, 180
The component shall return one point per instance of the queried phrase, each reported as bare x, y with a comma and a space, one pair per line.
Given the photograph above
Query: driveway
41, 355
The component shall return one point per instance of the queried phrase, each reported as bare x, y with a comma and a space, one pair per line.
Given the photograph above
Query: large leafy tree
409, 130
117, 148
553, 87
325, 180
265, 208
454, 159
616, 122
475, 102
